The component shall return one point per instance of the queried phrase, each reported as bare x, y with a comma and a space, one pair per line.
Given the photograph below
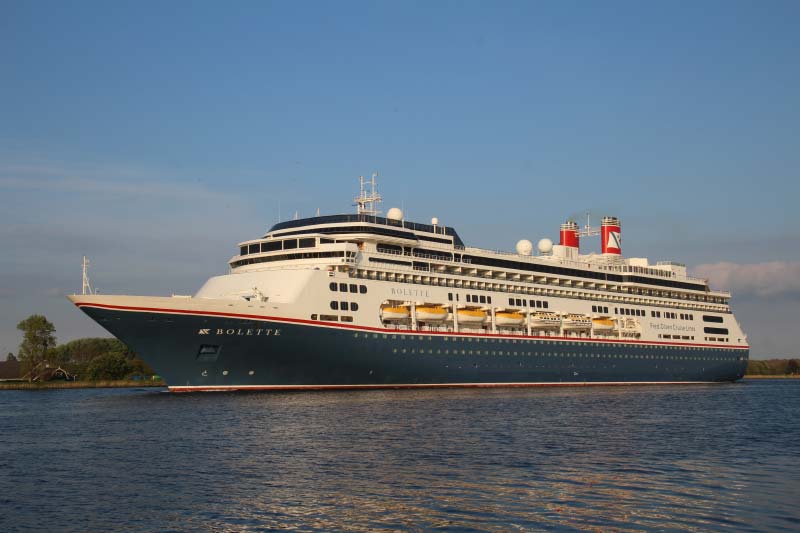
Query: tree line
774, 367
90, 359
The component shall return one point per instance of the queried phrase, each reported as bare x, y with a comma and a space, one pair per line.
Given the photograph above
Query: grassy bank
764, 376
24, 385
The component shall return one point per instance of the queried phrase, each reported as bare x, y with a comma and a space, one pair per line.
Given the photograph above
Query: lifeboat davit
574, 321
545, 320
604, 323
428, 313
509, 318
471, 316
389, 312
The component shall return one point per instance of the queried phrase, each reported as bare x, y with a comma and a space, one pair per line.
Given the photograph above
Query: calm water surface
688, 458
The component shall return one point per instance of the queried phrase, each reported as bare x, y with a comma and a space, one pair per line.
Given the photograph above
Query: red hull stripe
223, 388
335, 325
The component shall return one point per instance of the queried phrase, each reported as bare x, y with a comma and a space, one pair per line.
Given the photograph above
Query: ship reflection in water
694, 458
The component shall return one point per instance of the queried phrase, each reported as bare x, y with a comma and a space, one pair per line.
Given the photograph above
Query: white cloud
84, 185
775, 278
116, 180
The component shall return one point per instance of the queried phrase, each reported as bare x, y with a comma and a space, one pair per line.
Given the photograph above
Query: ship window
289, 244
489, 299
717, 331
254, 248
483, 299
450, 296
332, 286
243, 250
353, 287
362, 289
354, 306
519, 302
335, 305
538, 303
343, 306
594, 309
329, 318
270, 246
469, 297
545, 305
306, 243
326, 241
511, 301
709, 318
343, 287
314, 316
605, 309
347, 319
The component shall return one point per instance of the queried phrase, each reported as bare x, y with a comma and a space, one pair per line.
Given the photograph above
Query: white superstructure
308, 269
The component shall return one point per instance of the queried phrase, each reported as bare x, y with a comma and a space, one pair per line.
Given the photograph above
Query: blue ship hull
203, 352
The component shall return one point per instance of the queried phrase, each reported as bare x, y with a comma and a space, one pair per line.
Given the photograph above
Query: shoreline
111, 384
121, 384
764, 376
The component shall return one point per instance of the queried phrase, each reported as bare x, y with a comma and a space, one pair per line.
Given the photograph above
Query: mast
365, 201
87, 287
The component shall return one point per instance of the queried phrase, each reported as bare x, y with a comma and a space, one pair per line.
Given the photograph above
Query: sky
154, 136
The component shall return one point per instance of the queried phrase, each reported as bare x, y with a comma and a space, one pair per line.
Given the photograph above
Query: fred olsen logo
255, 332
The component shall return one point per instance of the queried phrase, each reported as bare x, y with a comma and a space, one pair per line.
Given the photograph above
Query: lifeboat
389, 312
471, 316
509, 318
574, 321
544, 320
603, 323
431, 313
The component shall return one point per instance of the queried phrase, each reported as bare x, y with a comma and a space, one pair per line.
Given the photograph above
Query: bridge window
254, 248
270, 246
289, 244
307, 243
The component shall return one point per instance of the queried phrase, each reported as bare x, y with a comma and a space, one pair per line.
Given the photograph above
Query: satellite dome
545, 246
394, 214
524, 247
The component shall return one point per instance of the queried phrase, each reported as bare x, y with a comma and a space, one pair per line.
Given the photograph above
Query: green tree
10, 357
108, 366
38, 341
793, 367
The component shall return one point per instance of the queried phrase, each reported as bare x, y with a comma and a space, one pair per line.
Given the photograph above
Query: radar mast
365, 202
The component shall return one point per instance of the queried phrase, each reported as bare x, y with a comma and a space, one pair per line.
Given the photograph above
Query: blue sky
153, 136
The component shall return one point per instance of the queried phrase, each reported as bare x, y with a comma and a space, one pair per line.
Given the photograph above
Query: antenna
87, 287
365, 202
588, 230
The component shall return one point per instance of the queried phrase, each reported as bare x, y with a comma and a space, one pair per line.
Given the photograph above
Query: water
689, 458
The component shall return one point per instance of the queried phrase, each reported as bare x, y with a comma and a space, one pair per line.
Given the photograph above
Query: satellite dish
524, 247
394, 214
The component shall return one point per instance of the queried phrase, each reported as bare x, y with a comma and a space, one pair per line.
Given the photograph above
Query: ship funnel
569, 234
611, 236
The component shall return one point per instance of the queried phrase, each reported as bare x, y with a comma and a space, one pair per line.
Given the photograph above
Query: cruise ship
361, 300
